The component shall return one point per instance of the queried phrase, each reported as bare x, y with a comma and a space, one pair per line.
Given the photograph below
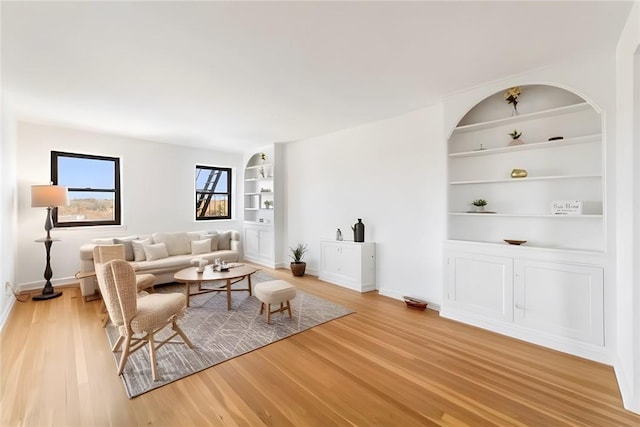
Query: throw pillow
224, 240
138, 249
200, 246
156, 251
214, 242
128, 247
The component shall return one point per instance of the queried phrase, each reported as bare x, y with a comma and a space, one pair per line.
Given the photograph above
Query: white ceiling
239, 75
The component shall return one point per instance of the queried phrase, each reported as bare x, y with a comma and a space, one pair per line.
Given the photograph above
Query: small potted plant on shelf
479, 204
515, 137
298, 266
268, 204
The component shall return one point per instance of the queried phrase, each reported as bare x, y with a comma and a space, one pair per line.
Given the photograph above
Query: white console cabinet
348, 264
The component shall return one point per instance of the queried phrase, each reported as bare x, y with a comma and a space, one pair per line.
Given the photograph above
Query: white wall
391, 174
157, 183
7, 210
628, 219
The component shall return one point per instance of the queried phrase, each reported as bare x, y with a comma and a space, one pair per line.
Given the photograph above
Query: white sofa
162, 254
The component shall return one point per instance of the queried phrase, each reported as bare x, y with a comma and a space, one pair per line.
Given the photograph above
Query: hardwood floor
384, 365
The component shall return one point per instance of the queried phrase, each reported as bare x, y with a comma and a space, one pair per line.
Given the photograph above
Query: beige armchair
138, 318
105, 253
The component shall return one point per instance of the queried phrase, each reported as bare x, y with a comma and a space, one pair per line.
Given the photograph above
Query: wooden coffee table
236, 273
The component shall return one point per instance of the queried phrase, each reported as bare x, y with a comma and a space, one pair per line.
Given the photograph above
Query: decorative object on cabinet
298, 266
556, 138
519, 173
515, 138
415, 303
566, 207
511, 96
479, 204
515, 242
358, 231
262, 173
268, 204
338, 235
263, 156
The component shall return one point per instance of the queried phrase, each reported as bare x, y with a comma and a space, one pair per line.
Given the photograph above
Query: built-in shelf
259, 193
524, 117
262, 165
529, 146
527, 215
534, 178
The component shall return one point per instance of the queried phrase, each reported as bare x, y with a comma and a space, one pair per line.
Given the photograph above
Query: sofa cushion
224, 240
177, 243
200, 246
128, 247
138, 249
155, 251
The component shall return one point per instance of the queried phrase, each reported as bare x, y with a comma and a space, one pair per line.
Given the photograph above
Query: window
94, 189
213, 193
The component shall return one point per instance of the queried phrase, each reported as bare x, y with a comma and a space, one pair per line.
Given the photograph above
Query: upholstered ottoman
274, 292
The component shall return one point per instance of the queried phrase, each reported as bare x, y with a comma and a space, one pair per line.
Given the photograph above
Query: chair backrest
106, 253
117, 281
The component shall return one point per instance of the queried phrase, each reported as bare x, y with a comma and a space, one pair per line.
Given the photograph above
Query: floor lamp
48, 196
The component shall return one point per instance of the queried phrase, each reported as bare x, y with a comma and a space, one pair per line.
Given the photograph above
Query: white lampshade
49, 196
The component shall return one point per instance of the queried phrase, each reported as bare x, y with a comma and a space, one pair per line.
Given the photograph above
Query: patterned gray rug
219, 335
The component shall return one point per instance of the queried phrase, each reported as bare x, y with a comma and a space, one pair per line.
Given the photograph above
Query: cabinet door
561, 299
330, 259
481, 284
266, 243
251, 242
351, 262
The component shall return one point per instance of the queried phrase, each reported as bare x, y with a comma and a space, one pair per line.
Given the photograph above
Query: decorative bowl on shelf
515, 242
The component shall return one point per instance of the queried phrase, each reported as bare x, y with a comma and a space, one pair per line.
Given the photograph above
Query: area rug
219, 335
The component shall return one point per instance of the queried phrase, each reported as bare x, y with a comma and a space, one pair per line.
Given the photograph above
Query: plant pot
298, 268
479, 208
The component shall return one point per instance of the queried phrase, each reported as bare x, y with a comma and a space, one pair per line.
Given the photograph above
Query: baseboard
5, 313
565, 345
630, 400
38, 285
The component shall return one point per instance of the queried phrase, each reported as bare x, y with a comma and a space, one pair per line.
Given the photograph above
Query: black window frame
116, 191
228, 193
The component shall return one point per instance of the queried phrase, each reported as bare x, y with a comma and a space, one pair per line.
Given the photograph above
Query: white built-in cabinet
262, 210
555, 299
550, 290
348, 264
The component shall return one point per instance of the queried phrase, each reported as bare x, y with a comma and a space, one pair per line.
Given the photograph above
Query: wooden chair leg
152, 357
125, 353
289, 309
177, 329
268, 314
261, 308
118, 343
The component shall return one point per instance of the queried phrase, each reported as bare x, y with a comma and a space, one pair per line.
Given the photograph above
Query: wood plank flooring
384, 365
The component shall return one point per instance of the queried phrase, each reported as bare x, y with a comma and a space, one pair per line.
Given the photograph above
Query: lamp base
43, 296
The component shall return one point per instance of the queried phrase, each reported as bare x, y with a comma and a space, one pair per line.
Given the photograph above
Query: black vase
358, 231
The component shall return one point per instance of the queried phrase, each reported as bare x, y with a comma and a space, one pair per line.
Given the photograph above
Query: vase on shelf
516, 141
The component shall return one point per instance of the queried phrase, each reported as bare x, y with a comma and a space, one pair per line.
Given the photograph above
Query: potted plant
298, 266
268, 204
515, 137
479, 204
